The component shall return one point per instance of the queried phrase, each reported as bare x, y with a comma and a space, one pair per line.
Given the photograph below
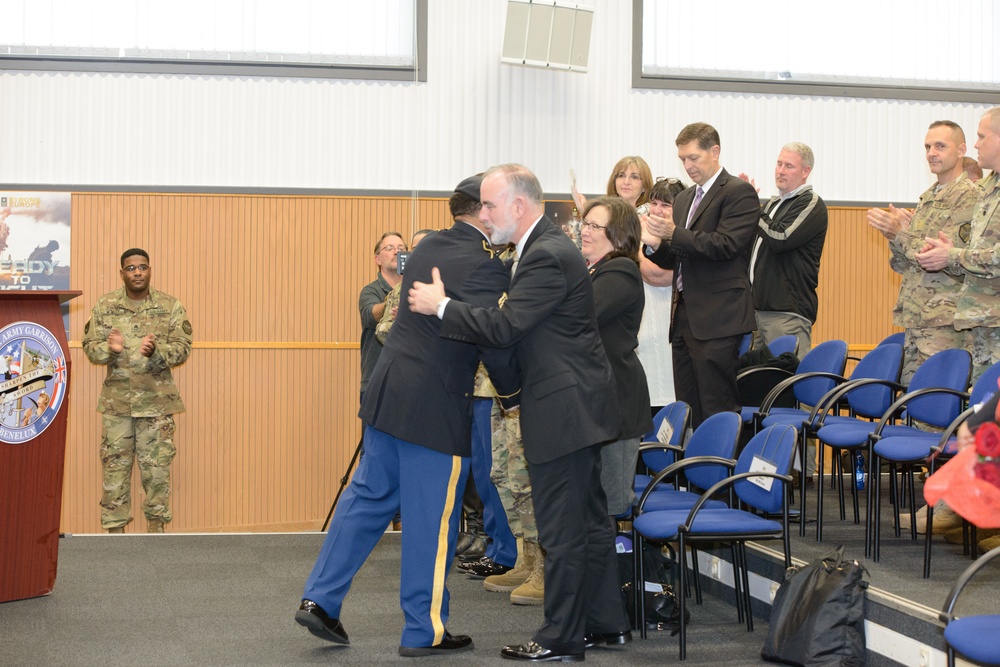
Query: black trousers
704, 370
582, 593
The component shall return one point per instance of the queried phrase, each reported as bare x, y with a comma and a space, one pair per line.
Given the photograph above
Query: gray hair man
784, 267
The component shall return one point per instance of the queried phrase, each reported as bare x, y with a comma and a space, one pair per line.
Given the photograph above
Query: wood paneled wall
271, 285
857, 289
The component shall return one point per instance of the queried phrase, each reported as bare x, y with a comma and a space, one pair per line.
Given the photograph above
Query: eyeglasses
397, 248
671, 181
591, 225
132, 268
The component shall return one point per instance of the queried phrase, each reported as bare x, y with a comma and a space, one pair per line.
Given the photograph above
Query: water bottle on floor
859, 471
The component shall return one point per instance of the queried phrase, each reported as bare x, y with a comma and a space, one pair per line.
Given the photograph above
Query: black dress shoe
592, 639
533, 652
463, 542
475, 551
464, 565
487, 568
450, 644
312, 616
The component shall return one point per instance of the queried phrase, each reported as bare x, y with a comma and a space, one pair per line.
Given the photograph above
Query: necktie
514, 259
698, 194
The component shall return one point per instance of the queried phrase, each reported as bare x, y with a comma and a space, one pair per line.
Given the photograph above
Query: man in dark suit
708, 245
417, 441
568, 408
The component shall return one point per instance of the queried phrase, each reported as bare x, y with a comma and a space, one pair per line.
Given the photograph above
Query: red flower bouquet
970, 482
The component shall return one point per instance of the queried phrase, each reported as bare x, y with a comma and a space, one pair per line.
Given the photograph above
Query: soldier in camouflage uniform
978, 308
139, 333
927, 299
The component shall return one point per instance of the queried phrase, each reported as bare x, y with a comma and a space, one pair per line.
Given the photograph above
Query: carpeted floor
230, 600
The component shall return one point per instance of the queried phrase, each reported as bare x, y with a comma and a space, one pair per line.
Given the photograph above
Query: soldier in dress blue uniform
416, 460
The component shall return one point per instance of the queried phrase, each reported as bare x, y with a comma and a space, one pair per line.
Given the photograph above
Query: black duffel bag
818, 615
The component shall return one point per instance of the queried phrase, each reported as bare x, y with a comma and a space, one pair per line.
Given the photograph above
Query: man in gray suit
568, 409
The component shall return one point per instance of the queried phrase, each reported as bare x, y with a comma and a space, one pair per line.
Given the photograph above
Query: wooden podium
36, 361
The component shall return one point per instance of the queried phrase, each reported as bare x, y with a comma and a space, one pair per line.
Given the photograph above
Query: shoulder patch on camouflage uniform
965, 231
86, 328
186, 327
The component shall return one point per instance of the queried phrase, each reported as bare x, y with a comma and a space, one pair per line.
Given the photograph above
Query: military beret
470, 187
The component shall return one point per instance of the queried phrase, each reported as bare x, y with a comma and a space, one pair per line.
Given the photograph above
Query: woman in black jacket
610, 236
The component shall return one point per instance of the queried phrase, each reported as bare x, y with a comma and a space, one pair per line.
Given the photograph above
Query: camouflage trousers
919, 343
151, 441
510, 474
984, 344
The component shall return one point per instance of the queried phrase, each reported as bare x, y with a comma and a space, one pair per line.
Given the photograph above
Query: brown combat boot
154, 526
532, 591
116, 530
508, 581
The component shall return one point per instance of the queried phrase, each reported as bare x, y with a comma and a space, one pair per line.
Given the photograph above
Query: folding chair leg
927, 551
819, 494
681, 595
802, 486
840, 486
894, 497
639, 592
737, 581
745, 573
877, 538
696, 569
854, 498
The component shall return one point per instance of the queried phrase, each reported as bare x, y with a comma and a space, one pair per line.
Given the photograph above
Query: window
381, 39
910, 49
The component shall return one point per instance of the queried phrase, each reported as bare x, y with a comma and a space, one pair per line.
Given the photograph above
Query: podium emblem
32, 381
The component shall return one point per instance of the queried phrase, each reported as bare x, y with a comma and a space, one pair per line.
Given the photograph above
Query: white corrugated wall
157, 131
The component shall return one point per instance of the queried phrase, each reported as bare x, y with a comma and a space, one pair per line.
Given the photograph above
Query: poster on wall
34, 240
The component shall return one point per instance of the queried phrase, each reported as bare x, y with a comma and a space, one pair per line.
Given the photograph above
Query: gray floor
229, 600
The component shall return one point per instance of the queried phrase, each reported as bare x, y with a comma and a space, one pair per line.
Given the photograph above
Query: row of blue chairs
732, 499
897, 427
755, 505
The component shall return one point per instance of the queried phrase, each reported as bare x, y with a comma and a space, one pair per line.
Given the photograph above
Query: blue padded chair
708, 459
974, 637
745, 343
783, 344
828, 357
894, 339
936, 402
852, 433
656, 455
881, 363
716, 438
820, 370
984, 389
769, 456
906, 452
